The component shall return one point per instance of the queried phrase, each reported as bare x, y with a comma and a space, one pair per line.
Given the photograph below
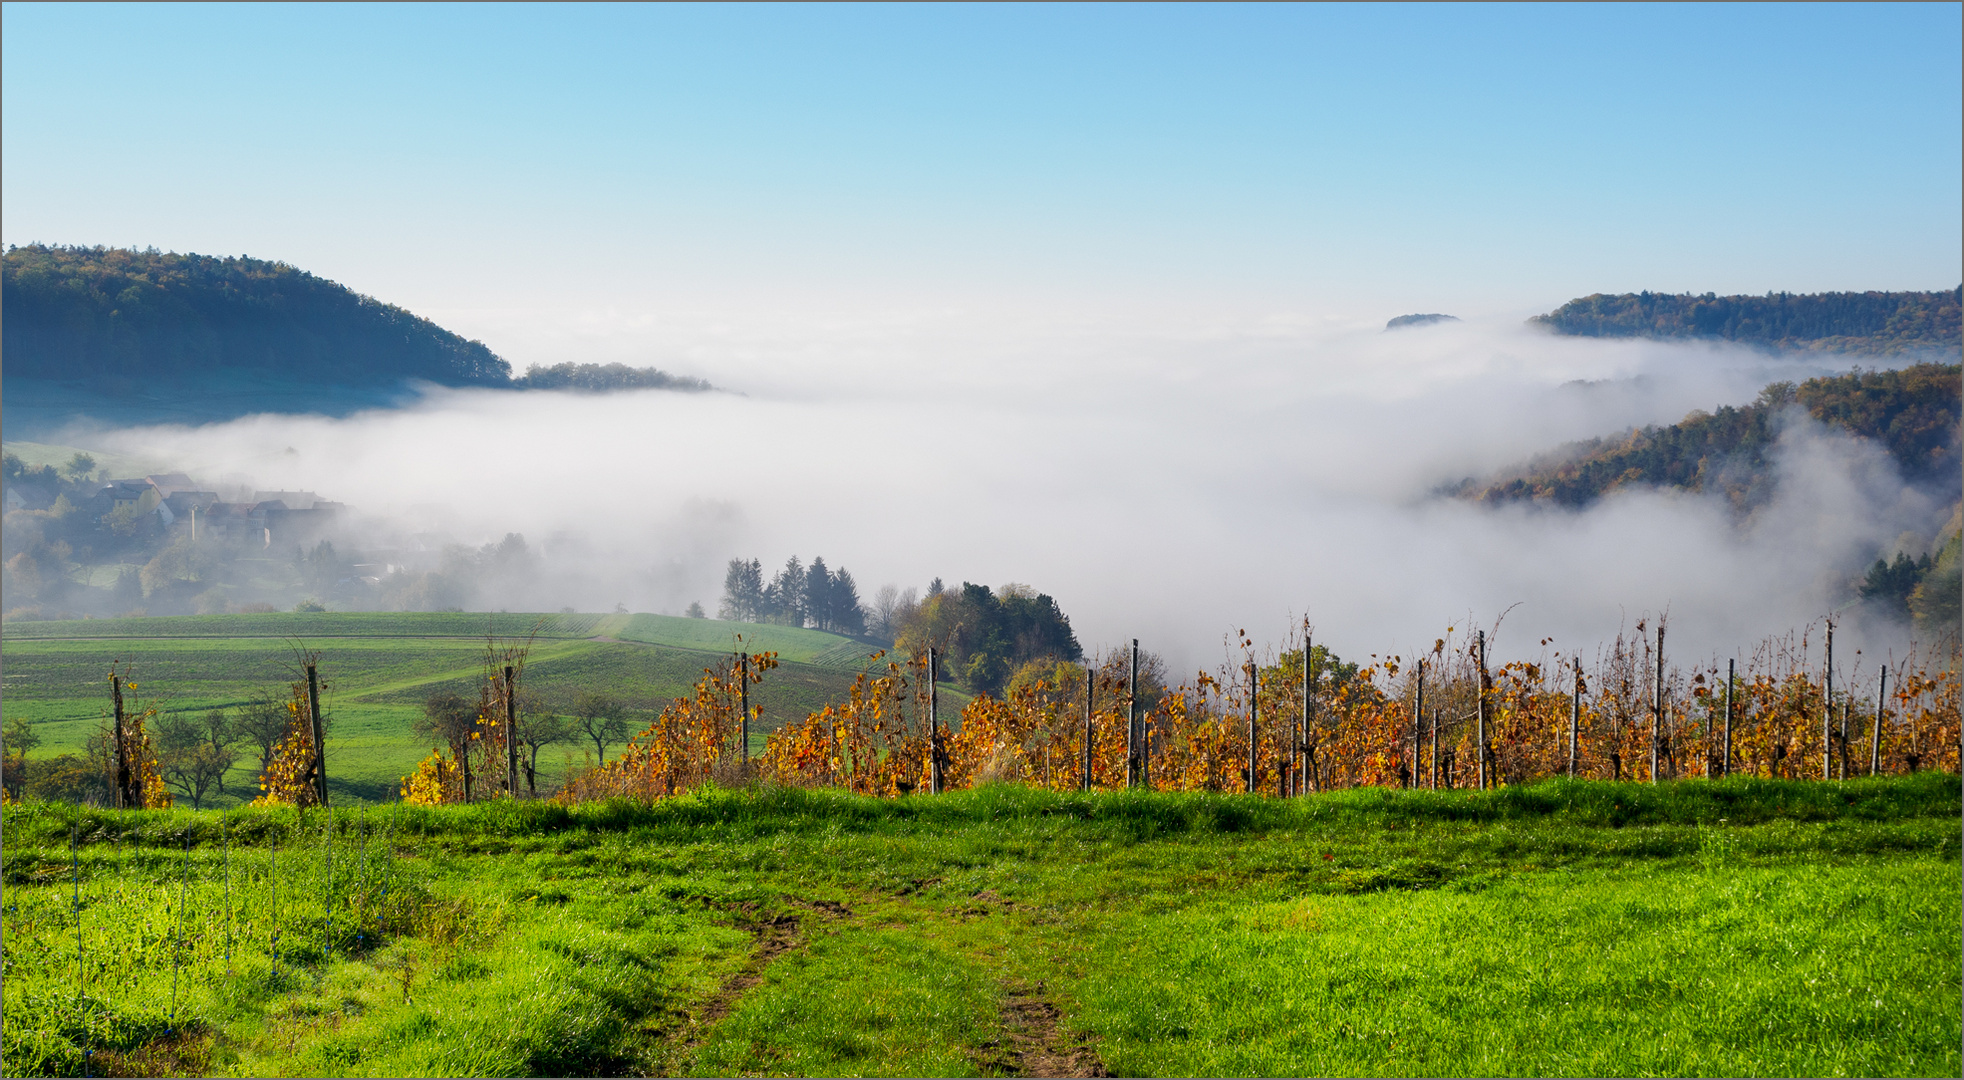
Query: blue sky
1336, 161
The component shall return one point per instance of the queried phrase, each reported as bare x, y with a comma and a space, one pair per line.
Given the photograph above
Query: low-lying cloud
1172, 487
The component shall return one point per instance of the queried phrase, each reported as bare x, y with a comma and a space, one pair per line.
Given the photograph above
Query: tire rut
773, 937
1033, 1043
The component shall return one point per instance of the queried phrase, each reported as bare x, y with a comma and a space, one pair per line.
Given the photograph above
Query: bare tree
891, 609
452, 718
538, 727
600, 719
263, 723
196, 753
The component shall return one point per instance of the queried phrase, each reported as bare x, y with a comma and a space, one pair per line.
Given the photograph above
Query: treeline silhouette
1879, 323
600, 378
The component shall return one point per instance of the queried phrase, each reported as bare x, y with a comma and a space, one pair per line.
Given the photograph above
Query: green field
117, 465
378, 667
1741, 927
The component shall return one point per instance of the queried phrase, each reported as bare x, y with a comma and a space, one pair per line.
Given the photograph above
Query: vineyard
1290, 726
1447, 864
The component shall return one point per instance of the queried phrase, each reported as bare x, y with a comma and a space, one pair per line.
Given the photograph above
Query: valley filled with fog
1174, 487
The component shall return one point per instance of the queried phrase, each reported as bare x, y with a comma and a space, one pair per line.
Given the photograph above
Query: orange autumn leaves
1362, 728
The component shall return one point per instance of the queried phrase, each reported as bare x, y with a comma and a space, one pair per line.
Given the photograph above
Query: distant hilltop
1403, 321
111, 311
125, 336
1866, 323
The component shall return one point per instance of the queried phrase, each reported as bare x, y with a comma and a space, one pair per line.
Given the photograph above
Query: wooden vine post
1435, 747
1725, 751
1145, 725
1657, 705
1827, 706
1574, 716
1309, 696
319, 732
1132, 718
1254, 688
1090, 691
1875, 732
1847, 706
123, 798
1418, 725
511, 731
1481, 711
743, 706
933, 726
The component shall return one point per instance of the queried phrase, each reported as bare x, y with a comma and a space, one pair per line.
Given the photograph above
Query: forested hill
112, 336
1869, 323
74, 312
1913, 412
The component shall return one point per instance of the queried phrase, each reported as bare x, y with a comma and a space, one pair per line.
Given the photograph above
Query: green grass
1735, 928
306, 627
1827, 970
716, 636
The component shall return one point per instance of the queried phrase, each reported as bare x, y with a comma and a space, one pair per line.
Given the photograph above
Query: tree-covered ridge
75, 312
1875, 323
1914, 412
601, 378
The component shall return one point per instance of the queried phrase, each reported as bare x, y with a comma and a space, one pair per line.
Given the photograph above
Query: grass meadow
379, 667
1738, 927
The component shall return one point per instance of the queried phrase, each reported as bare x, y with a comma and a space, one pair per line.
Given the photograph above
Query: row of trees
140, 757
194, 753
602, 378
816, 596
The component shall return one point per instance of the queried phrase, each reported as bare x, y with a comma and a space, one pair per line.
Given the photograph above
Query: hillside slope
117, 336
1870, 323
150, 314
1913, 412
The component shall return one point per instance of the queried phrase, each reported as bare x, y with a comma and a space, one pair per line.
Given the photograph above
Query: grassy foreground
1743, 927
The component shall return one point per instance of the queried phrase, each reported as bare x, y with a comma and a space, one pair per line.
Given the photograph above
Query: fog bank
1171, 487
